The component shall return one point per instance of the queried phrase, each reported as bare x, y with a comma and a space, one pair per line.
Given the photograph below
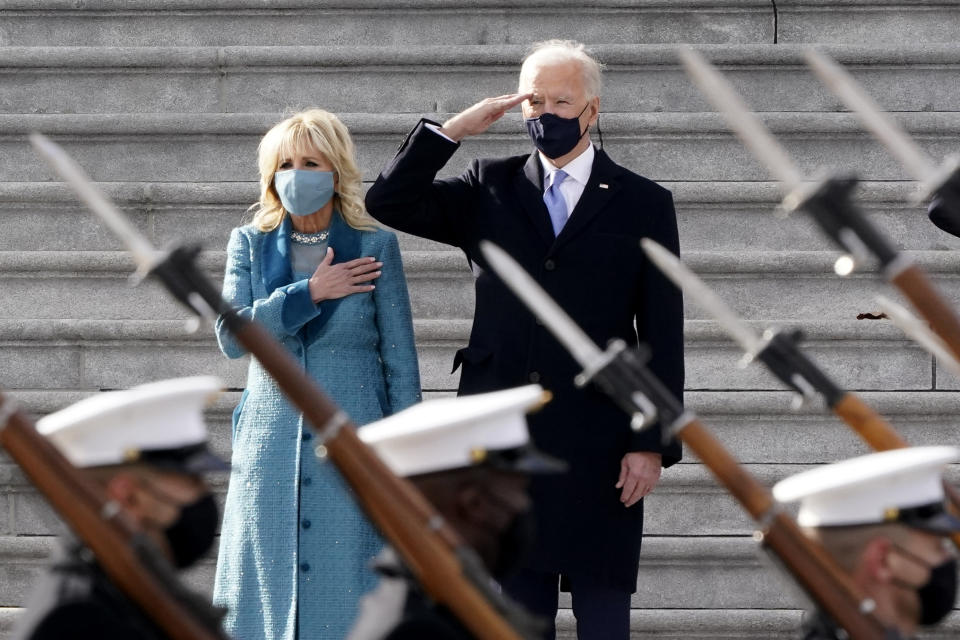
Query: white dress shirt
578, 172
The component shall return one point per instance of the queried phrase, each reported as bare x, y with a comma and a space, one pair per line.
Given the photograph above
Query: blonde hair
312, 129
560, 51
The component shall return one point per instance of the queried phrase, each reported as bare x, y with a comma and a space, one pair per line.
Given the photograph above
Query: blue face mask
553, 135
303, 192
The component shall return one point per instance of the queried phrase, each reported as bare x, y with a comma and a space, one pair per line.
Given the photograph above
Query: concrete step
917, 77
110, 354
759, 427
867, 21
377, 22
691, 147
33, 215
95, 285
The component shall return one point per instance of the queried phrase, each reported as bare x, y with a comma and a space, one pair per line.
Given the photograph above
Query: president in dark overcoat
573, 218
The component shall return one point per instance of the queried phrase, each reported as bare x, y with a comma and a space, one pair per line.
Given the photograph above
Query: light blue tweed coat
294, 547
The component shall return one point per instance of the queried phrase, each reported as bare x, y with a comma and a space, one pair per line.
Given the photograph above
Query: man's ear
595, 107
874, 564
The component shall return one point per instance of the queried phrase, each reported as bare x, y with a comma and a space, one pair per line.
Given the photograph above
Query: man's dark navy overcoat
597, 272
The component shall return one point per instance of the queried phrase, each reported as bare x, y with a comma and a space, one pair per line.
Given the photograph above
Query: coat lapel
529, 186
277, 270
594, 198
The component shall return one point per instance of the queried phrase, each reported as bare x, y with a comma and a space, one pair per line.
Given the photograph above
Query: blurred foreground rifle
942, 184
780, 352
133, 563
449, 570
623, 374
829, 203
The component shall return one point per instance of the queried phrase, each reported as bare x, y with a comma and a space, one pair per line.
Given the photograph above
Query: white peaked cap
118, 426
458, 432
902, 485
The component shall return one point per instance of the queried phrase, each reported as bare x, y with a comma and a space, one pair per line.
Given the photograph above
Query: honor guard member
882, 518
146, 448
471, 457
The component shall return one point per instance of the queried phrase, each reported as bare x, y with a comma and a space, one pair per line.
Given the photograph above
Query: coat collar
529, 187
600, 188
277, 270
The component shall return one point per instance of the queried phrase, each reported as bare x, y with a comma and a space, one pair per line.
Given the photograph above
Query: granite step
377, 22
691, 147
712, 216
797, 285
898, 22
751, 423
688, 499
109, 354
638, 78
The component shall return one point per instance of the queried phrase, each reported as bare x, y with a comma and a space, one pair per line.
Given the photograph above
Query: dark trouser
602, 613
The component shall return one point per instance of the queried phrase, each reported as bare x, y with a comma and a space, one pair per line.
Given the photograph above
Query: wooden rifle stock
105, 531
816, 571
914, 284
443, 564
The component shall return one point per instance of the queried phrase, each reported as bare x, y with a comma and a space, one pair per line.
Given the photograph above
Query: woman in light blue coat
324, 280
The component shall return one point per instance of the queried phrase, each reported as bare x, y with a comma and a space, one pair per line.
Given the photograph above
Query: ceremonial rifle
780, 352
130, 560
450, 572
829, 203
622, 374
942, 183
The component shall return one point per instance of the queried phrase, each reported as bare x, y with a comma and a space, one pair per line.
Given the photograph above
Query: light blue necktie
556, 205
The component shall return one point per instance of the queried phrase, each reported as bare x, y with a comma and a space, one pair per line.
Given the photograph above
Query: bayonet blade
570, 335
688, 281
741, 119
143, 252
917, 163
920, 332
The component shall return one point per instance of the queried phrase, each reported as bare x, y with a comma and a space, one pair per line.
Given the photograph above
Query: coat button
534, 376
307, 436
307, 481
306, 523
549, 265
305, 566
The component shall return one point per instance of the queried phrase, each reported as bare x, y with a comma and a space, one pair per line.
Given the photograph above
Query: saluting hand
639, 474
331, 281
480, 116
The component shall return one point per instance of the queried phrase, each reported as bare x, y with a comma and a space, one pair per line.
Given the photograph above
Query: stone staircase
163, 102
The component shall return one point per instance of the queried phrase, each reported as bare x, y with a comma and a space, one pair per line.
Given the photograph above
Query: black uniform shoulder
74, 599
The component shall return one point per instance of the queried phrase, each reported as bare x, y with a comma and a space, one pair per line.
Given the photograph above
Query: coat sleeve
406, 195
283, 313
398, 349
659, 316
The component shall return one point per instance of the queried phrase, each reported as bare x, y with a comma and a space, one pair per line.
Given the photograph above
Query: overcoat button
549, 265
534, 376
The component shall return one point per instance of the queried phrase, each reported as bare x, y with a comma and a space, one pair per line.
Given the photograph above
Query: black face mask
939, 593
553, 135
192, 534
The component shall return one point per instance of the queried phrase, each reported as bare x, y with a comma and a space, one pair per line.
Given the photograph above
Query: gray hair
559, 51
